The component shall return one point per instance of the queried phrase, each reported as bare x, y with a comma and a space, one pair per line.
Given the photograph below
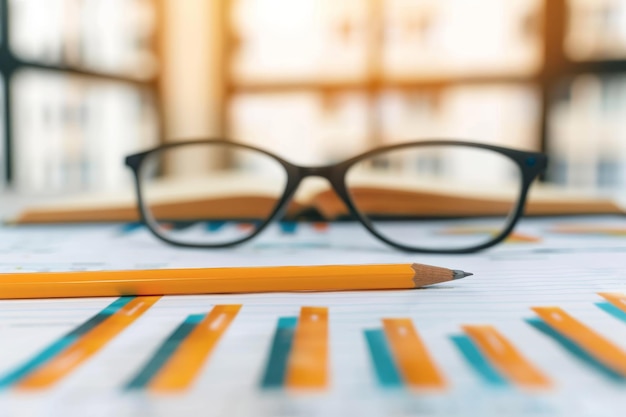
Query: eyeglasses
436, 196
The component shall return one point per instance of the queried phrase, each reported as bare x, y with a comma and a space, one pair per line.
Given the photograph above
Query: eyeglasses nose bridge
333, 174
325, 171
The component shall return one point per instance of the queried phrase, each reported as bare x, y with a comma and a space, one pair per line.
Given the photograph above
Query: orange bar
184, 365
307, 366
246, 227
505, 357
516, 237
411, 356
320, 226
617, 299
88, 345
597, 230
593, 343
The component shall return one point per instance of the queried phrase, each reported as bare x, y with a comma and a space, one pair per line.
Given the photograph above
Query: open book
235, 198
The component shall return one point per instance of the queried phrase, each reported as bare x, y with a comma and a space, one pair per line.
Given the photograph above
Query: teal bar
114, 307
288, 227
37, 361
612, 310
214, 226
164, 353
131, 227
61, 344
386, 370
478, 362
575, 350
276, 369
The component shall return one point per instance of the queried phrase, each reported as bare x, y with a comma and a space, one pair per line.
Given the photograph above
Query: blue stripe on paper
131, 227
117, 305
37, 361
61, 344
214, 226
478, 361
107, 312
575, 350
288, 228
164, 353
612, 310
384, 366
276, 369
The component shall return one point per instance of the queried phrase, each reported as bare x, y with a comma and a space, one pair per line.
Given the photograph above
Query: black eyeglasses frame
531, 165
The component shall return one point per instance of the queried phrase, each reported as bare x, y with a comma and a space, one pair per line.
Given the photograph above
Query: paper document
539, 330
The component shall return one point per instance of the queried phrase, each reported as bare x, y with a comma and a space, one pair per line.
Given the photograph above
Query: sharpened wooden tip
430, 275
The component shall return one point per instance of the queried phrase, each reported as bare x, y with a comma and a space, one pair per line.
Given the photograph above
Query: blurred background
85, 82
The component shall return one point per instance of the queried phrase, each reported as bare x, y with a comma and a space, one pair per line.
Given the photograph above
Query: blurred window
80, 91
596, 29
317, 81
589, 135
322, 80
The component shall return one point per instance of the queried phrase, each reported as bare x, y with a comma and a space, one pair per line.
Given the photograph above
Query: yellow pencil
223, 280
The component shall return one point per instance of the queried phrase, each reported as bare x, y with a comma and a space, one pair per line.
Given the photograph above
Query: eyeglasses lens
436, 197
192, 192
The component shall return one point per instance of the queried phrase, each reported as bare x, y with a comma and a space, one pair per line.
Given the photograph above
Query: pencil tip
458, 274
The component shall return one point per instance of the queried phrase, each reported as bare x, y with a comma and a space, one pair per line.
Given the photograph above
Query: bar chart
299, 355
540, 336
504, 357
178, 360
299, 360
63, 356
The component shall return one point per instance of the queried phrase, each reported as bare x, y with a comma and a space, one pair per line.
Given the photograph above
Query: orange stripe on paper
411, 356
320, 226
593, 343
597, 230
505, 357
88, 345
184, 365
307, 366
516, 237
246, 227
617, 299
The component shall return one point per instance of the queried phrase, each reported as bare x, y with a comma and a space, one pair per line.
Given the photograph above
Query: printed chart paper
539, 330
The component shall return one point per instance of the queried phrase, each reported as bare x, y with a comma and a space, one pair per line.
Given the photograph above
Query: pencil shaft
220, 280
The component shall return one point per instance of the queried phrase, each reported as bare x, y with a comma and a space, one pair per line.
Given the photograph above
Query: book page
226, 191
455, 329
